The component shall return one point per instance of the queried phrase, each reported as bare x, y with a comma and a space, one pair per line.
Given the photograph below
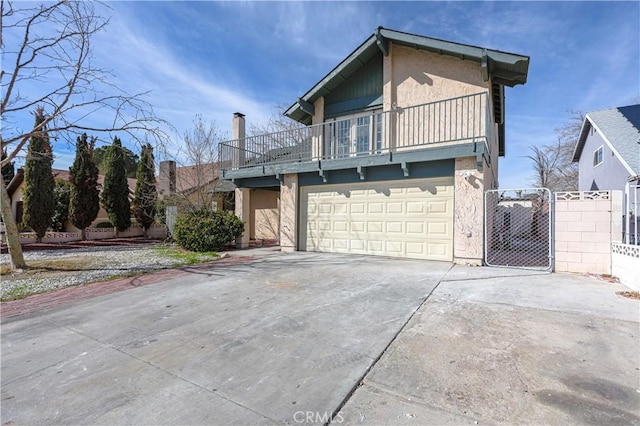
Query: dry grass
39, 267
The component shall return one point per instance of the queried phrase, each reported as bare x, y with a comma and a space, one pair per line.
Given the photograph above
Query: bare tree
197, 175
278, 122
544, 164
553, 163
279, 138
47, 61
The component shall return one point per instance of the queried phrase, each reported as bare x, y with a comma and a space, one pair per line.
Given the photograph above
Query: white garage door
403, 218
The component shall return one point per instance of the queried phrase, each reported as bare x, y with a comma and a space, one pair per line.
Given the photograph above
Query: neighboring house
200, 186
608, 150
402, 138
16, 186
197, 186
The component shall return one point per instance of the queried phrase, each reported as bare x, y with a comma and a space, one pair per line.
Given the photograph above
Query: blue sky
216, 58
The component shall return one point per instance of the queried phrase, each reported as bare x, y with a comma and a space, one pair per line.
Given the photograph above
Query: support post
243, 211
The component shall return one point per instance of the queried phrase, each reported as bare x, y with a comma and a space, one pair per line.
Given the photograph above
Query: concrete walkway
297, 338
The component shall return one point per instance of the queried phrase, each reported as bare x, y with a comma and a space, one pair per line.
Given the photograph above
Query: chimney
238, 135
167, 178
238, 131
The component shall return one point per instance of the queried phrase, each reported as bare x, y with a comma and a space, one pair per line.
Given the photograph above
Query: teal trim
327, 167
382, 42
430, 169
352, 106
258, 182
306, 106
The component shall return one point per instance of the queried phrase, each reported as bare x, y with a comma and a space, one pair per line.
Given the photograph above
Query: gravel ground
94, 264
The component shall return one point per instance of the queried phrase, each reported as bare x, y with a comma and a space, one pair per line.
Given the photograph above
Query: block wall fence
586, 225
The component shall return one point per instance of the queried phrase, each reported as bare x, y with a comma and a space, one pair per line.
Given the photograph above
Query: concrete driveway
296, 338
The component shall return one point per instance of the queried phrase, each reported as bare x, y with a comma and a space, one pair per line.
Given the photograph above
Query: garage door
404, 218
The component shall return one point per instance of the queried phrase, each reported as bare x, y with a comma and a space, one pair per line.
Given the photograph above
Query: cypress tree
145, 197
8, 170
84, 201
115, 191
37, 197
61, 194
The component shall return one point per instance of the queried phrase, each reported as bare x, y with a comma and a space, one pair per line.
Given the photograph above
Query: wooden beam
306, 106
382, 43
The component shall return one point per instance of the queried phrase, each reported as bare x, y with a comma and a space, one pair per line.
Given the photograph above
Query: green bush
104, 225
206, 230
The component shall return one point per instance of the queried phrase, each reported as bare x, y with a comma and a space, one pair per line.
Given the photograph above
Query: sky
216, 58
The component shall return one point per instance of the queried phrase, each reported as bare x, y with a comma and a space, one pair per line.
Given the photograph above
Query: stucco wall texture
468, 222
413, 77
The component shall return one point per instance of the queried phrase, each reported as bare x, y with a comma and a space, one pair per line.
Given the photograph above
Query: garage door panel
340, 208
415, 207
416, 249
324, 208
436, 249
394, 227
394, 207
375, 246
394, 248
357, 245
340, 226
440, 229
375, 207
375, 226
341, 244
357, 226
415, 228
409, 218
435, 207
357, 208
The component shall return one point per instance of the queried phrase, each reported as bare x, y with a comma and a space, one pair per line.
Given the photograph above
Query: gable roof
190, 179
620, 128
502, 68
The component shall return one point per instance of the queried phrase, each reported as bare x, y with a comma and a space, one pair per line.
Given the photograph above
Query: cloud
216, 58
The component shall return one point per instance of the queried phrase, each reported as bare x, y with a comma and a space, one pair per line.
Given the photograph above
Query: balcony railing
450, 121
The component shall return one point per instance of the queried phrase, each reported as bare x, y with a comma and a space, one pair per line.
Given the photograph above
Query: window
355, 135
597, 156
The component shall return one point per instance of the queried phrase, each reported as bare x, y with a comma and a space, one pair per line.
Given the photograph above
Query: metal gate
518, 228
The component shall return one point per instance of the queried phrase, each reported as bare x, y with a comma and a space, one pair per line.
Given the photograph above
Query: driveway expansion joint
362, 378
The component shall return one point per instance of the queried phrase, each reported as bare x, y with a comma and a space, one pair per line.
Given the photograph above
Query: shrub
206, 230
104, 225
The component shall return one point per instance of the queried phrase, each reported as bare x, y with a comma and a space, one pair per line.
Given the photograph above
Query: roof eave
504, 68
584, 131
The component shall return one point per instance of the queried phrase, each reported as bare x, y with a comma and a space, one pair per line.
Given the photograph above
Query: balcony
449, 128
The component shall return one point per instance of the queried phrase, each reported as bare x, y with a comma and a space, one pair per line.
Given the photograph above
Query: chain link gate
518, 228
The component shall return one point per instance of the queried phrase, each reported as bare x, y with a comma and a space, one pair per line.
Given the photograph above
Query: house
197, 185
398, 144
608, 149
16, 187
200, 186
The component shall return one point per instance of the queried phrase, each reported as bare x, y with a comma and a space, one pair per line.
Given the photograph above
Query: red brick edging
67, 295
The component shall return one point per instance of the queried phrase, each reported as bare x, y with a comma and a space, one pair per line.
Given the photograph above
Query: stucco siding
469, 212
611, 174
414, 77
265, 214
